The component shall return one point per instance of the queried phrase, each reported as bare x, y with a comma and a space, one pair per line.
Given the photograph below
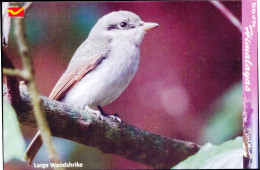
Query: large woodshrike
102, 67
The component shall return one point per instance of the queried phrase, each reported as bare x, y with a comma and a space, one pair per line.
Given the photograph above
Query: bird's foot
102, 111
114, 116
96, 112
99, 115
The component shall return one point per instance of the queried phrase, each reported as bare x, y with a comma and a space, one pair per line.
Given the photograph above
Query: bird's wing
73, 76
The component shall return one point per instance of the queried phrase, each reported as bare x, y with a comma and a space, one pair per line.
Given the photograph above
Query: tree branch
27, 5
28, 68
226, 12
12, 84
110, 137
15, 73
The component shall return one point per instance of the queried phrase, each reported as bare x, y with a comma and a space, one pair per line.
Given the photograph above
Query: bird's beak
149, 25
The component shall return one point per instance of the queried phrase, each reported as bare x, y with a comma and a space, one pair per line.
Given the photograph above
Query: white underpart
108, 80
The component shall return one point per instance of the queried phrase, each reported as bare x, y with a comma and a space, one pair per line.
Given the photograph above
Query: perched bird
102, 67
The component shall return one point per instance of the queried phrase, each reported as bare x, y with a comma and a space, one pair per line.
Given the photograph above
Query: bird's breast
108, 80
125, 58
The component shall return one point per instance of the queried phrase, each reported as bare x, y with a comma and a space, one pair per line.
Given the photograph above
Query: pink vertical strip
250, 83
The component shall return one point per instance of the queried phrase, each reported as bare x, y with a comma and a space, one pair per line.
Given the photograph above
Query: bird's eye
123, 24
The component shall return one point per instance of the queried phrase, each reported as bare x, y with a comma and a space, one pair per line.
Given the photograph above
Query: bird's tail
33, 148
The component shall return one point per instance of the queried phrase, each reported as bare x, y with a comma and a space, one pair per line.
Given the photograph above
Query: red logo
15, 12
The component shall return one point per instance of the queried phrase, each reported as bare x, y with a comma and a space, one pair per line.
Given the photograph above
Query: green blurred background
188, 85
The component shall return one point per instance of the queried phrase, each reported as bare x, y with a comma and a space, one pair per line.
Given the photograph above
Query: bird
101, 68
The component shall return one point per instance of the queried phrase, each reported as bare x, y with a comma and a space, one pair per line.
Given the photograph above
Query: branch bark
12, 84
15, 73
28, 73
109, 136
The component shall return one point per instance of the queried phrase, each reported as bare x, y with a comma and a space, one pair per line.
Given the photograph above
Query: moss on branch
109, 136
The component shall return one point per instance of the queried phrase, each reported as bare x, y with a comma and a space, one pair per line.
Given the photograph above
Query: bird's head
121, 26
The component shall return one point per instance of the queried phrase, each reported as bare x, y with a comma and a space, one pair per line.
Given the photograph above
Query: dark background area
187, 65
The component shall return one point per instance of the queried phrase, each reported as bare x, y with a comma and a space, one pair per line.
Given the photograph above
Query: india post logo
15, 12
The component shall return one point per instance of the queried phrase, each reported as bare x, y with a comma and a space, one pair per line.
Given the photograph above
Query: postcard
130, 85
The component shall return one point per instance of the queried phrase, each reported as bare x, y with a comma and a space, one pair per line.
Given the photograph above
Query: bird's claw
100, 117
115, 117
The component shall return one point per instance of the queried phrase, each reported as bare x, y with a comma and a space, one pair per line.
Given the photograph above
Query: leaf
226, 123
14, 144
228, 155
